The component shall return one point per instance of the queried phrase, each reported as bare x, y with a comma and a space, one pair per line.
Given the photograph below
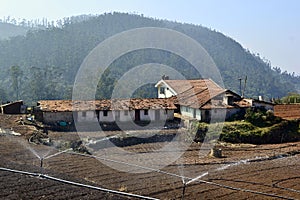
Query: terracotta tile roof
243, 103
105, 104
195, 93
216, 104
181, 86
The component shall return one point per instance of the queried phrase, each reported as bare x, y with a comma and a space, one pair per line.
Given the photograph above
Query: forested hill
44, 63
8, 30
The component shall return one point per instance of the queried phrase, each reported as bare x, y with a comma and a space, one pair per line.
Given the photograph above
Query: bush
246, 132
261, 117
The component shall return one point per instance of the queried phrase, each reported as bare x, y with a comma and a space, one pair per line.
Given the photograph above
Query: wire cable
187, 178
78, 184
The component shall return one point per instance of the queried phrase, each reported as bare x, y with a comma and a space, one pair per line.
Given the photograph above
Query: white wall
128, 117
163, 115
189, 112
51, 117
88, 117
168, 93
150, 116
108, 118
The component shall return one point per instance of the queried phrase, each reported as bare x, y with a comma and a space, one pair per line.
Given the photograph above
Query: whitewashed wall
108, 118
87, 117
168, 93
189, 112
52, 117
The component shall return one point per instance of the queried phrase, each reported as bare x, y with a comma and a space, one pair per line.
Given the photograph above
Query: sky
268, 27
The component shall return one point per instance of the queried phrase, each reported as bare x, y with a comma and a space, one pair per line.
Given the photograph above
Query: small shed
16, 107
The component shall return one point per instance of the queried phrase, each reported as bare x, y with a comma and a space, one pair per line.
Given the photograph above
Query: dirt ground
243, 172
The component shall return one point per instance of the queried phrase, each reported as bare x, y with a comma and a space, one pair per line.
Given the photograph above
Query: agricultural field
137, 165
243, 172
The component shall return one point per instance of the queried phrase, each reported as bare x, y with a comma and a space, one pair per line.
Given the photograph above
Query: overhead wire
78, 184
185, 177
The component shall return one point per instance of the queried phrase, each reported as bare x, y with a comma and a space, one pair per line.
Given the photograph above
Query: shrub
261, 117
246, 132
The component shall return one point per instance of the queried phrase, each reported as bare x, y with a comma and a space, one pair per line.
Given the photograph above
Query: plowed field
244, 172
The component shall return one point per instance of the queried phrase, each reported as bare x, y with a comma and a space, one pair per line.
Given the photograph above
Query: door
137, 115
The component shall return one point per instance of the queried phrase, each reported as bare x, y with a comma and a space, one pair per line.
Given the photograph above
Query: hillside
10, 30
46, 61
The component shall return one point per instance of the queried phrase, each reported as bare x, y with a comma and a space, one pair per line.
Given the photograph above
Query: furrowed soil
244, 171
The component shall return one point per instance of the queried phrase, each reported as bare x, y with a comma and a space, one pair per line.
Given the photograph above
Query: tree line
43, 63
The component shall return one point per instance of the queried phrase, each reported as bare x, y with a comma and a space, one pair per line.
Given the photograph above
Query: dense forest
43, 63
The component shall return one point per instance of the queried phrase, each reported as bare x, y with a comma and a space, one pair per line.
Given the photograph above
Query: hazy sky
268, 27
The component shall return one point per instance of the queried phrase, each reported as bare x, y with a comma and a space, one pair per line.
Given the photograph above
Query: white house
201, 99
123, 110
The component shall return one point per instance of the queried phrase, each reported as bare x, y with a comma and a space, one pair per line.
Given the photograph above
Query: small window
162, 90
145, 112
126, 112
105, 113
83, 114
186, 109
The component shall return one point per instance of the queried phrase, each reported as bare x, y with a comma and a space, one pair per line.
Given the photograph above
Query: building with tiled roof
106, 110
201, 99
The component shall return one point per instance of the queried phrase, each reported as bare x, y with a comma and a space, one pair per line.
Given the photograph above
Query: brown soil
265, 172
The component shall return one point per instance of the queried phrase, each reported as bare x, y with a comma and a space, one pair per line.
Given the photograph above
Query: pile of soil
19, 124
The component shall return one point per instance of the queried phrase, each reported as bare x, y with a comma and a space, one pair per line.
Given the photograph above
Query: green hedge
245, 132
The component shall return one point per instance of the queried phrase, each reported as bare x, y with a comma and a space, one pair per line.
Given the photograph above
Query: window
105, 113
126, 112
145, 112
83, 114
162, 90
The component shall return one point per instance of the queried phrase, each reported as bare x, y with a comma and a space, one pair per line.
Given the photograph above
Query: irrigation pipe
184, 177
78, 184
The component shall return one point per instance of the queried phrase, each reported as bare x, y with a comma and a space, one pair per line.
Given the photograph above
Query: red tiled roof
181, 86
195, 93
105, 104
243, 103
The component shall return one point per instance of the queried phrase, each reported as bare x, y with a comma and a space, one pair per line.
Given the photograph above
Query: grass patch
246, 132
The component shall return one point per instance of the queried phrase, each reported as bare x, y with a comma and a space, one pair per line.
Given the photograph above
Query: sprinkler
41, 162
183, 191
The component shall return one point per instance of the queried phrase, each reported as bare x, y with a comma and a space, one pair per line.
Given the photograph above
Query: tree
16, 75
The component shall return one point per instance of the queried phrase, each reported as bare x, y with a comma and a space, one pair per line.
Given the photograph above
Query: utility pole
240, 79
243, 94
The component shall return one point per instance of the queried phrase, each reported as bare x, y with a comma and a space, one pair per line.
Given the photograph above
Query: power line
184, 177
78, 184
